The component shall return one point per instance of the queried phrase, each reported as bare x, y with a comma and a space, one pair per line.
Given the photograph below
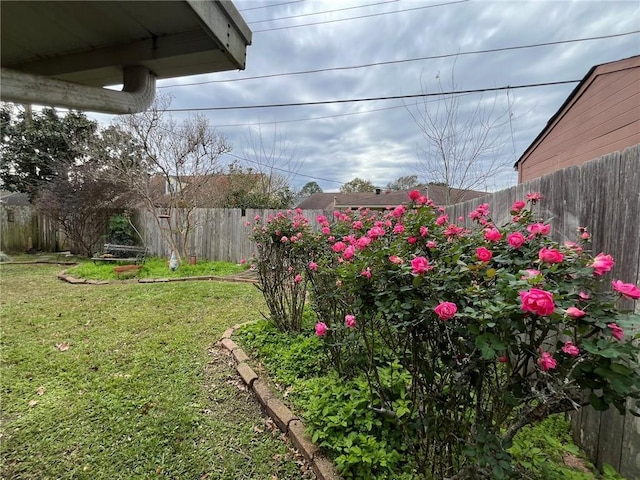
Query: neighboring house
381, 200
600, 116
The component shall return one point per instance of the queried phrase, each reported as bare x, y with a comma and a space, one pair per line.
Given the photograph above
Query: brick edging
283, 417
75, 280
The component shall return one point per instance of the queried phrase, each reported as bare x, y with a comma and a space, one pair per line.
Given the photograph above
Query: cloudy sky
379, 140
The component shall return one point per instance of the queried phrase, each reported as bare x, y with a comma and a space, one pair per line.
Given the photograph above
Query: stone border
283, 417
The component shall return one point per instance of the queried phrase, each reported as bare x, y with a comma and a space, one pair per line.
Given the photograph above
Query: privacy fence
604, 196
22, 229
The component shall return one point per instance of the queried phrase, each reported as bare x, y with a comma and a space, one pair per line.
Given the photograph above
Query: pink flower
534, 197
516, 239
531, 273
573, 246
517, 206
414, 195
628, 290
366, 272
398, 229
243, 261
350, 321
584, 295
570, 349
326, 230
539, 229
616, 331
321, 329
396, 259
313, 266
338, 247
453, 230
550, 255
362, 243
537, 301
492, 235
546, 361
398, 211
349, 252
432, 244
446, 310
602, 264
503, 359
585, 236
483, 254
284, 239
412, 240
424, 231
357, 225
575, 312
376, 232
442, 220
420, 265
298, 278
257, 218
321, 219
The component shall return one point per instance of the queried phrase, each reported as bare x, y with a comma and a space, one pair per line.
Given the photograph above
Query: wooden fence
22, 229
604, 196
218, 233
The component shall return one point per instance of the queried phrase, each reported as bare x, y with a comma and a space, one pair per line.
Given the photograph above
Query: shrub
498, 327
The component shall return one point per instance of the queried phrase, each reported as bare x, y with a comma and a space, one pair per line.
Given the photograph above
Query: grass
156, 268
120, 381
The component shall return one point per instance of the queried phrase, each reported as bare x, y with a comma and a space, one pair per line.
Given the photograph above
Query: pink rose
492, 235
366, 272
534, 197
516, 239
539, 229
396, 259
628, 290
602, 264
326, 230
339, 247
503, 359
321, 329
537, 301
446, 310
424, 231
414, 195
517, 206
575, 312
412, 240
616, 331
313, 266
550, 255
398, 229
584, 295
362, 243
349, 252
357, 225
376, 232
398, 211
570, 349
297, 278
420, 265
531, 273
546, 361
432, 244
350, 321
483, 254
442, 220
284, 239
243, 261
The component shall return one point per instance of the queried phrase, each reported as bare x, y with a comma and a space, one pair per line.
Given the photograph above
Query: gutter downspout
137, 94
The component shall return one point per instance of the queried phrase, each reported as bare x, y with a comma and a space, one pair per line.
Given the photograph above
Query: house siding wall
603, 118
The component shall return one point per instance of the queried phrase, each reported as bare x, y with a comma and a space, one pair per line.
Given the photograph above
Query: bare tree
178, 170
462, 143
273, 159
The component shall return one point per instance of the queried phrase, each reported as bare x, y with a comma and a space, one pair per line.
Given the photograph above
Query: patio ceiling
62, 52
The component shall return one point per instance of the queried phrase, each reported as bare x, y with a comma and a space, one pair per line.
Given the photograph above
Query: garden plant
447, 339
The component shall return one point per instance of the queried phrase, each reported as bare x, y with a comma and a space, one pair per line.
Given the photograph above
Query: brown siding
603, 117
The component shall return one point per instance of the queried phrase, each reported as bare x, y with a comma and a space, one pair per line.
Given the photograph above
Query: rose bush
497, 326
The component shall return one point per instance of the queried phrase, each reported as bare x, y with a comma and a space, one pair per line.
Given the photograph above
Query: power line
269, 6
372, 99
416, 59
323, 117
284, 170
361, 16
320, 13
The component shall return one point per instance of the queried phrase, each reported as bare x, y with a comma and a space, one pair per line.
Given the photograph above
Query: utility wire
284, 169
269, 6
372, 99
320, 13
416, 59
361, 16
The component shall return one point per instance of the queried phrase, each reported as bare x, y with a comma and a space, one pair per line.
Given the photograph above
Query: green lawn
138, 393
